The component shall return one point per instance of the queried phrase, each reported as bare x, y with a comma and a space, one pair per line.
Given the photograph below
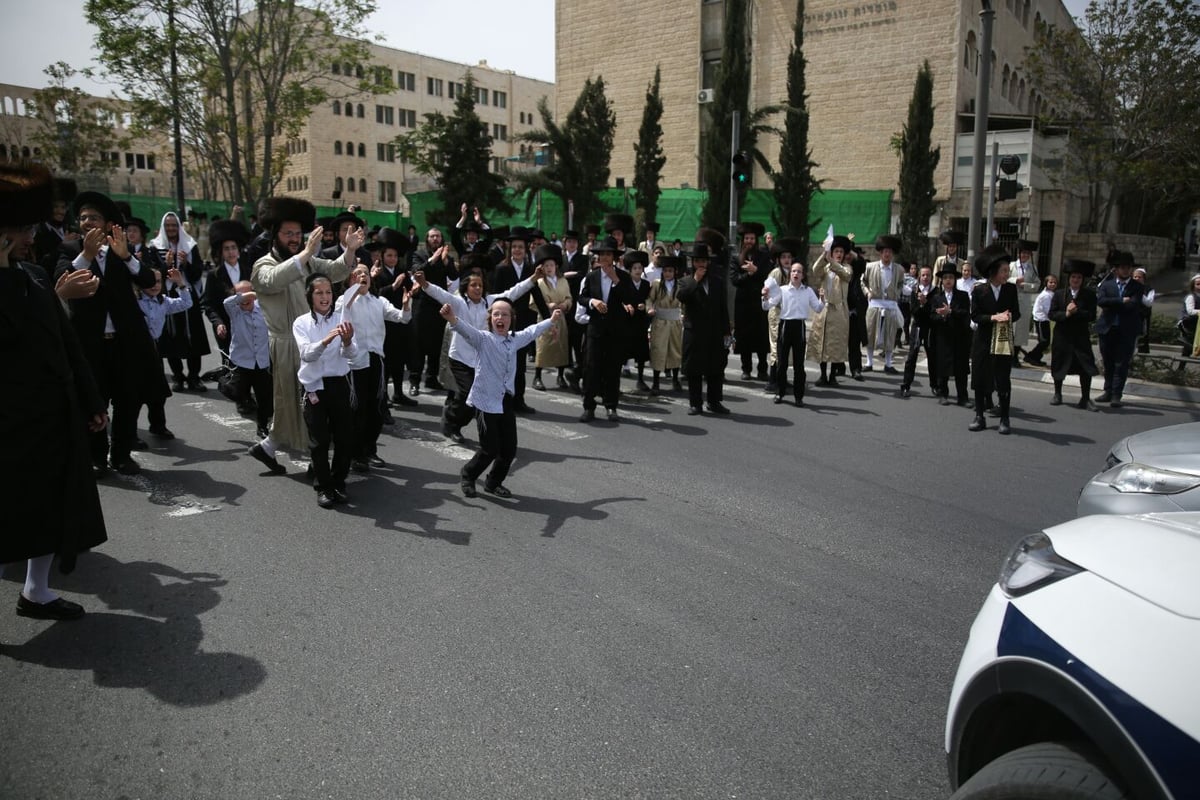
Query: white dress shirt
495, 374
794, 301
367, 314
461, 348
81, 262
318, 360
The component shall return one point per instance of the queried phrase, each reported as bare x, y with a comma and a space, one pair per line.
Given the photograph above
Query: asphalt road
767, 605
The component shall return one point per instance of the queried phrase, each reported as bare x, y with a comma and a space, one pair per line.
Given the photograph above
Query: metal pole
991, 217
175, 113
734, 143
986, 17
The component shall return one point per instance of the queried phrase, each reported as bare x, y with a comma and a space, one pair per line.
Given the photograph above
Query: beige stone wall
1152, 252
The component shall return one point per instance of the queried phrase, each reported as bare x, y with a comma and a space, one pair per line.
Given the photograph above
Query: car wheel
1046, 771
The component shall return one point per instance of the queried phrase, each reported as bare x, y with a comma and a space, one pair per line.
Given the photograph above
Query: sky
47, 31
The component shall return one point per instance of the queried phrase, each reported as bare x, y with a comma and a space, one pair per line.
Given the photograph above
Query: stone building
863, 59
344, 154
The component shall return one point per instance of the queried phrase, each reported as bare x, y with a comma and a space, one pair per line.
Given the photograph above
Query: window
337, 105
337, 185
408, 118
349, 109
1004, 83
337, 68
349, 184
149, 161
406, 81
521, 115
1021, 94
358, 70
362, 185
141, 160
1012, 88
387, 191
385, 152
971, 55
454, 90
128, 159
433, 86
481, 96
337, 148
362, 150
500, 132
501, 99
1025, 13
708, 76
361, 111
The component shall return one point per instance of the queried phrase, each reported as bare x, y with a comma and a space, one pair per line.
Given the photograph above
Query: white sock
37, 580
268, 446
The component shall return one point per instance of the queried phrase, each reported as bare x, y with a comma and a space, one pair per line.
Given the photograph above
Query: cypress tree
648, 153
794, 183
917, 164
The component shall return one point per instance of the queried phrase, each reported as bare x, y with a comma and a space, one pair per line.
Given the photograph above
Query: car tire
1043, 771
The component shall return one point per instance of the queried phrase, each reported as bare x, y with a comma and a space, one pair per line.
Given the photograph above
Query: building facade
863, 59
345, 152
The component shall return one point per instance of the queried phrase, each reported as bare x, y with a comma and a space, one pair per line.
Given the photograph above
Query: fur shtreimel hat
279, 210
26, 194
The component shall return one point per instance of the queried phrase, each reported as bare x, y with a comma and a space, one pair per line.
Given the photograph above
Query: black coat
184, 334
217, 287
983, 306
749, 318
611, 329
428, 325
49, 396
1116, 316
1071, 349
705, 325
138, 375
503, 278
639, 323
950, 335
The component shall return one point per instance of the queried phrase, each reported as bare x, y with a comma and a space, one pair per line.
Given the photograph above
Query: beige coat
829, 334
553, 346
280, 289
666, 335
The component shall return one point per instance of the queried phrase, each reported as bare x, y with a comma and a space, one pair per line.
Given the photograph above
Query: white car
1154, 471
1081, 677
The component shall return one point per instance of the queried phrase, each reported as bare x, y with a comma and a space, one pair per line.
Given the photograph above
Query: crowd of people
325, 328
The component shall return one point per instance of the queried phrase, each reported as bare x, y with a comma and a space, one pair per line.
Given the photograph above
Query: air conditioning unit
704, 96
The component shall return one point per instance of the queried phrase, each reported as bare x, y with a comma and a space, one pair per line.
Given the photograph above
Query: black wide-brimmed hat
677, 263
632, 257
948, 270
789, 244
392, 238
652, 227
102, 203
140, 224
757, 228
886, 242
1080, 265
1027, 244
952, 237
701, 250
278, 210
26, 194
570, 234
547, 252
594, 230
711, 237
348, 216
1122, 258
517, 232
844, 242
471, 226
536, 233
622, 222
991, 259
227, 230
606, 245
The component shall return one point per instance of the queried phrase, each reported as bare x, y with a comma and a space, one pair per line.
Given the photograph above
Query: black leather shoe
717, 408
612, 415
268, 461
778, 399
1087, 405
905, 391
414, 389
140, 445
261, 433
588, 415
1104, 397
1116, 402
745, 375
537, 384
387, 420
338, 495
325, 500
359, 465
693, 411
833, 381
561, 383
453, 434
977, 424
642, 387
162, 433
1004, 429
196, 386
399, 399
944, 401
822, 381
867, 369
858, 376
376, 461
891, 371
799, 402
499, 490
56, 609
468, 488
434, 385
1056, 400
676, 385
126, 466
523, 408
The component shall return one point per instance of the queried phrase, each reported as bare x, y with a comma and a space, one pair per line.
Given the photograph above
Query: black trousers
1043, 332
792, 337
856, 340
918, 338
429, 327
330, 421
371, 401
125, 404
1116, 350
994, 373
193, 368
258, 380
397, 342
497, 445
602, 359
456, 412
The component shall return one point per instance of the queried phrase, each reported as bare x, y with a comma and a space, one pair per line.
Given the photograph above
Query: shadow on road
156, 647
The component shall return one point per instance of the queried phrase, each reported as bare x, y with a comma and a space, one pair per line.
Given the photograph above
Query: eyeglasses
91, 218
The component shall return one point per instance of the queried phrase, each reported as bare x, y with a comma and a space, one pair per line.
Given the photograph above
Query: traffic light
1007, 189
741, 170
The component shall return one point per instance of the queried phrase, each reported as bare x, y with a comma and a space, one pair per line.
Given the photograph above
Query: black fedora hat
99, 202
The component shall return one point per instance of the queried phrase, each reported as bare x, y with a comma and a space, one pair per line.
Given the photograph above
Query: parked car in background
1154, 471
1081, 677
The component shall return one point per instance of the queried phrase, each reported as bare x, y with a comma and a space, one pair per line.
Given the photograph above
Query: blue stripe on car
1173, 754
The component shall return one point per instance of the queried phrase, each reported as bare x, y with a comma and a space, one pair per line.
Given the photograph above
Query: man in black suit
575, 269
428, 329
1119, 299
949, 337
393, 281
507, 274
1073, 310
994, 302
111, 328
605, 308
919, 332
705, 333
226, 238
344, 223
470, 235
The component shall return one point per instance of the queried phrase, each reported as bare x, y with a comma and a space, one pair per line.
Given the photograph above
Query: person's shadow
156, 647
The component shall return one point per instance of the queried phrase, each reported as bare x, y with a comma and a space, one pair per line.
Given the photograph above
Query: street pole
734, 144
986, 17
991, 217
175, 113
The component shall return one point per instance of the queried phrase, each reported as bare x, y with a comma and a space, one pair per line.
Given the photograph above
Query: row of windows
299, 184
337, 109
386, 115
1012, 86
349, 149
295, 146
15, 152
348, 185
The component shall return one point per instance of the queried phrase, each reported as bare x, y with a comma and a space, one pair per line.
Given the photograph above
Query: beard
288, 248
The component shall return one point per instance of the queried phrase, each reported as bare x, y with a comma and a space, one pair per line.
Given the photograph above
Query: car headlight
1033, 564
1141, 479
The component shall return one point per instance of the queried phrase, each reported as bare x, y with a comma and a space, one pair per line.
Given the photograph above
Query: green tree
456, 151
1120, 84
249, 74
795, 183
917, 164
580, 151
732, 93
74, 131
648, 153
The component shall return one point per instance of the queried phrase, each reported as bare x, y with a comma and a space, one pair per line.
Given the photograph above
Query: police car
1081, 677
